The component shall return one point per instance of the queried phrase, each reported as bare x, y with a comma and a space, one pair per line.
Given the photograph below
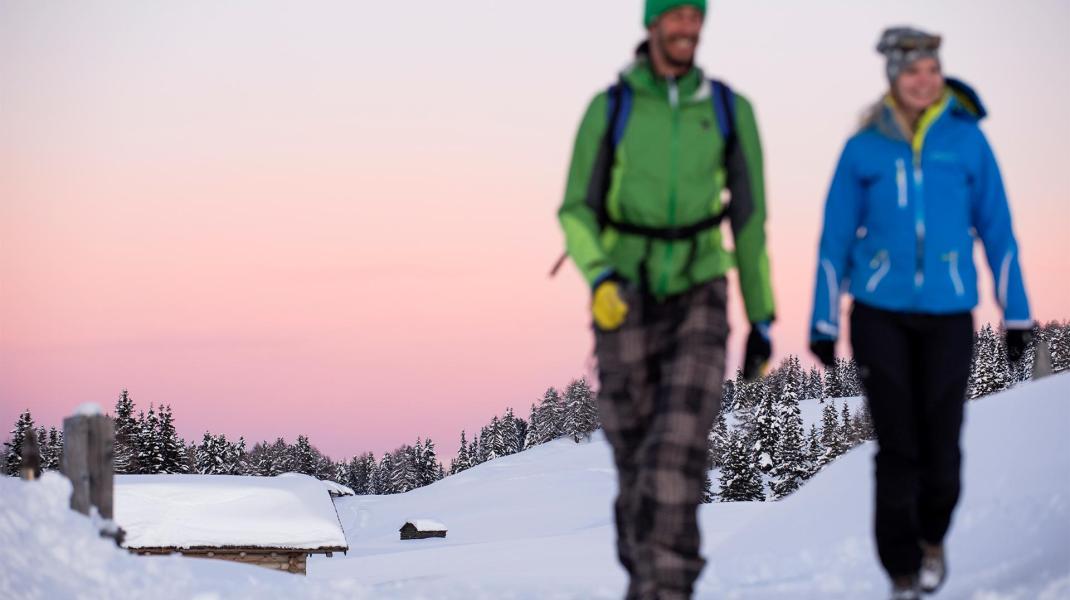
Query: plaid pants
661, 375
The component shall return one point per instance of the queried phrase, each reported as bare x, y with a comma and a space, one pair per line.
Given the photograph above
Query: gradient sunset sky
336, 218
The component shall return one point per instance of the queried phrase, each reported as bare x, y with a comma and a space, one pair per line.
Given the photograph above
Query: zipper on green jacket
674, 154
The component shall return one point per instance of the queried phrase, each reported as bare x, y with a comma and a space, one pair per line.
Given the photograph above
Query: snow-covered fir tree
360, 474
384, 474
511, 433
13, 460
172, 448
846, 429
850, 382
862, 424
1059, 346
815, 385
126, 435
790, 466
831, 440
728, 395
211, 456
989, 371
814, 451
745, 406
766, 429
236, 459
304, 457
531, 437
55, 450
581, 414
149, 449
550, 417
741, 481
461, 462
717, 441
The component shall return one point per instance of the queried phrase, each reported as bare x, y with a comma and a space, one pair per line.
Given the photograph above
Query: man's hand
825, 351
759, 349
1017, 341
607, 306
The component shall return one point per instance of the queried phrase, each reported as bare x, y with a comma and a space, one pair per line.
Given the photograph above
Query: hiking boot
905, 587
933, 568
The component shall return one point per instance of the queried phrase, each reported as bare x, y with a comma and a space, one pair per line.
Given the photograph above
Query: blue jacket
902, 216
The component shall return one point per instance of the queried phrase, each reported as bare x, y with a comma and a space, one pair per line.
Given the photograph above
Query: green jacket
667, 172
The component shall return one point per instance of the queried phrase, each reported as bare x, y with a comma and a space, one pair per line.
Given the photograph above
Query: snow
187, 511
426, 525
539, 525
89, 409
336, 489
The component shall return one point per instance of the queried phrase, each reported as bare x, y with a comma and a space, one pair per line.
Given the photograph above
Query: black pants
915, 368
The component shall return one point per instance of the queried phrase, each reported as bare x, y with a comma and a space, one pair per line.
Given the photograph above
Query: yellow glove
608, 308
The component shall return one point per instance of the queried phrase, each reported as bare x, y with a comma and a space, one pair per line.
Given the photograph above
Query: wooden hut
274, 522
419, 529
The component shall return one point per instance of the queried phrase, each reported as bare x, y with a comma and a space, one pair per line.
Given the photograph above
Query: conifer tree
846, 430
831, 441
462, 461
815, 452
766, 430
22, 427
790, 468
581, 415
171, 447
717, 446
531, 437
550, 416
55, 450
210, 459
741, 480
126, 435
303, 456
149, 450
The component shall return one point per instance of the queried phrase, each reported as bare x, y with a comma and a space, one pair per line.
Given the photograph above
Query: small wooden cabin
420, 529
274, 522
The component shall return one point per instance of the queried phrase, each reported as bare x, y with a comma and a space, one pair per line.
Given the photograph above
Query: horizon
331, 221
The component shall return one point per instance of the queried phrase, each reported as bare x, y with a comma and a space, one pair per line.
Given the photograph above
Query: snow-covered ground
538, 525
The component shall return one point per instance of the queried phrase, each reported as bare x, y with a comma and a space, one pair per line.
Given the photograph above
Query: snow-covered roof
426, 525
190, 511
336, 489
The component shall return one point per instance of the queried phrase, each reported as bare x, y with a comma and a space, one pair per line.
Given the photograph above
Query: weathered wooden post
1042, 362
31, 457
88, 461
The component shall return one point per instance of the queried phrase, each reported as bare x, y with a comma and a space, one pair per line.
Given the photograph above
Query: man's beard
664, 42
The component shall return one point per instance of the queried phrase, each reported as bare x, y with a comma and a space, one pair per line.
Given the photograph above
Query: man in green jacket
640, 216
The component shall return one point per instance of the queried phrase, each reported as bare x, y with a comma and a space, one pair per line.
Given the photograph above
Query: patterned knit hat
656, 8
903, 46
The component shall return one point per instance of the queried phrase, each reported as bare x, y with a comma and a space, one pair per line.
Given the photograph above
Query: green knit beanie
655, 8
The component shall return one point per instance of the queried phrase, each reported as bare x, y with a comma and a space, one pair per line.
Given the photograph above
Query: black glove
825, 351
1017, 341
759, 349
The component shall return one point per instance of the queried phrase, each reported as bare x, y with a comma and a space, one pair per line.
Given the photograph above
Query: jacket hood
965, 102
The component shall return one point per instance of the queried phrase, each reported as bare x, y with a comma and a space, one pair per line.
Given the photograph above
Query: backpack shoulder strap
618, 108
724, 106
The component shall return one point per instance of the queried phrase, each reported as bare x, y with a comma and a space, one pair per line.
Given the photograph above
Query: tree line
765, 453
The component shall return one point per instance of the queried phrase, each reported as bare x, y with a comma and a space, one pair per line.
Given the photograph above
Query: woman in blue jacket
913, 189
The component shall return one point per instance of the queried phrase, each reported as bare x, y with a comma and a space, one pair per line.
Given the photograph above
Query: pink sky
338, 220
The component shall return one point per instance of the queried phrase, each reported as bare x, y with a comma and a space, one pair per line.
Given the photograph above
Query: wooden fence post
30, 468
88, 461
1042, 361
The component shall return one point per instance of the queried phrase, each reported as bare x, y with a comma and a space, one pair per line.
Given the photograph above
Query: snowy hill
538, 525
539, 522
